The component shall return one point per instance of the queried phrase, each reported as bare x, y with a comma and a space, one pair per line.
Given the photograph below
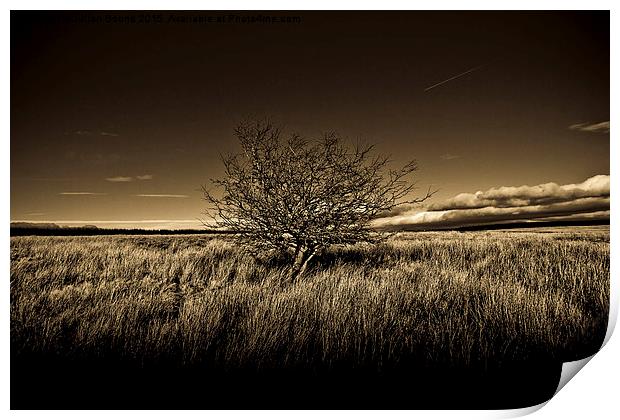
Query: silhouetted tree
301, 196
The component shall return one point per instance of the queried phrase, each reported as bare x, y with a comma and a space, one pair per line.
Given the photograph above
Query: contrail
454, 77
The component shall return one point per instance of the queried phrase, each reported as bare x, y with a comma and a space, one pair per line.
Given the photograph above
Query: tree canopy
300, 195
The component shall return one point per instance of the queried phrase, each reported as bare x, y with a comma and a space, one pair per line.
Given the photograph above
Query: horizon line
109, 221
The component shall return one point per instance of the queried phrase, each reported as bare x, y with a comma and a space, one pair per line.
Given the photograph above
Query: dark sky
95, 105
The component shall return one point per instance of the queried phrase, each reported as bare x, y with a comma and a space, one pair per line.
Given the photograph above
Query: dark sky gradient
94, 101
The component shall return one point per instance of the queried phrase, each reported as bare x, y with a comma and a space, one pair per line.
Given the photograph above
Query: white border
592, 394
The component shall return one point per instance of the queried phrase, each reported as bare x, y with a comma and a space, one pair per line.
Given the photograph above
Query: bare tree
302, 196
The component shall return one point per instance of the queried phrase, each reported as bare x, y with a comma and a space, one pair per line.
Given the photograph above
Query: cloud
94, 159
586, 200
81, 193
145, 177
602, 127
163, 195
449, 156
120, 179
456, 218
525, 195
90, 133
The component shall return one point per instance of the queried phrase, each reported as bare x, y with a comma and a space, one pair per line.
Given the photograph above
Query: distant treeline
91, 231
18, 229
522, 225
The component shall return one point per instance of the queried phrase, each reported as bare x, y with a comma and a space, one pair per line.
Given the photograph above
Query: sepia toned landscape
422, 301
308, 210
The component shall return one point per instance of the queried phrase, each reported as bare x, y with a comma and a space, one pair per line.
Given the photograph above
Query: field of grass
474, 301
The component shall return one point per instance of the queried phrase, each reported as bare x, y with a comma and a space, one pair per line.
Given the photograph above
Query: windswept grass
441, 299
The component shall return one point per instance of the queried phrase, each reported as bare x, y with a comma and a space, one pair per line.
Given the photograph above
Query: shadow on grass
367, 256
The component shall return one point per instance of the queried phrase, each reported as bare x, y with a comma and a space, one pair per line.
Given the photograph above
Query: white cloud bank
504, 204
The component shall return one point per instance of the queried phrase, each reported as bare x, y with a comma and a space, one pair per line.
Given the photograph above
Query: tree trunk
309, 256
303, 255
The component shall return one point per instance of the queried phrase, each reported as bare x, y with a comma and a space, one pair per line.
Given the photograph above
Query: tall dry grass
446, 299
